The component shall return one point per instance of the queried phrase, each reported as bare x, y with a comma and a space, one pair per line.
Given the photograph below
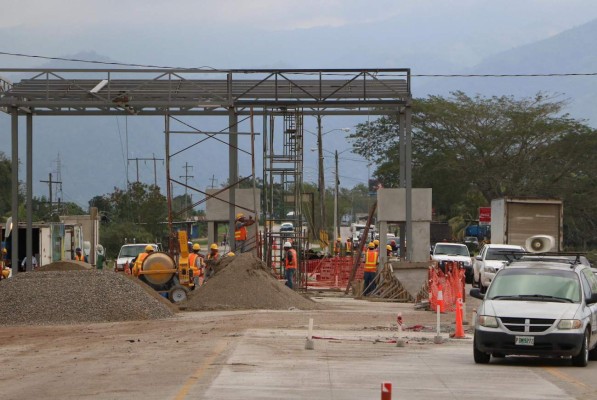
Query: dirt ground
165, 358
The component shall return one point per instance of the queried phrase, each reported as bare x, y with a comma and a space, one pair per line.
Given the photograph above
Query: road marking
565, 377
193, 379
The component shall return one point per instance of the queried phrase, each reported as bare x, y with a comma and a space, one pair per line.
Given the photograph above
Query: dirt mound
70, 297
244, 282
70, 265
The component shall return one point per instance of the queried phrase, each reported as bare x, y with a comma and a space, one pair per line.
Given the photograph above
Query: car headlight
570, 324
488, 321
466, 263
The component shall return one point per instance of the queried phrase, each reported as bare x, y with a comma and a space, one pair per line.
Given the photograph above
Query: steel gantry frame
201, 92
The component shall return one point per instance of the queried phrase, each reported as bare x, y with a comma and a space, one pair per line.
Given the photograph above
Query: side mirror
476, 293
478, 258
592, 299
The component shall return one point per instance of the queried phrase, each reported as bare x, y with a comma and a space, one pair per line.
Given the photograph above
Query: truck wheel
177, 294
582, 359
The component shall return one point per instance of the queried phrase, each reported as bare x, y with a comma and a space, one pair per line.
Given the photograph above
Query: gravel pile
65, 266
244, 282
71, 297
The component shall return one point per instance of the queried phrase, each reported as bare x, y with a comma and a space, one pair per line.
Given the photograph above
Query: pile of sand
244, 282
70, 297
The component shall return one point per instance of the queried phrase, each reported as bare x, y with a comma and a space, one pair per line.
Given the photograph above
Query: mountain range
96, 152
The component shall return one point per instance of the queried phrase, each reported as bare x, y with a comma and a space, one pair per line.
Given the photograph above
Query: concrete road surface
262, 355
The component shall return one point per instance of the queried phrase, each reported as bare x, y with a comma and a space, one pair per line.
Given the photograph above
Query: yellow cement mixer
160, 271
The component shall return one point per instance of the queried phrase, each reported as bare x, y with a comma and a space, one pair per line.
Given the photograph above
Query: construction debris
244, 282
71, 297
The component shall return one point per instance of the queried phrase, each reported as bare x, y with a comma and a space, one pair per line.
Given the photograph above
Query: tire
582, 359
177, 294
479, 356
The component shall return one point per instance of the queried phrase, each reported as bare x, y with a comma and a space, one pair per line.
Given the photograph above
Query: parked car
287, 227
444, 251
129, 252
490, 259
540, 308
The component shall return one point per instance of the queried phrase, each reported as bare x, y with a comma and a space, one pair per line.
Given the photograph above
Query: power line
207, 67
100, 62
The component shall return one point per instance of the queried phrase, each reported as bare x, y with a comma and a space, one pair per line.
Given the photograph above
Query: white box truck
514, 220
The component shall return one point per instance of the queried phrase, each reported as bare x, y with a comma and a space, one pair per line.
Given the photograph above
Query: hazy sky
235, 33
429, 36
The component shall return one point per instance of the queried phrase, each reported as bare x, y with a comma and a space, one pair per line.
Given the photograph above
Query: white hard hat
287, 244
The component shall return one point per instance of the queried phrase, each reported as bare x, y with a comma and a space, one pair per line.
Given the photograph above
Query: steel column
15, 191
168, 183
232, 173
29, 194
409, 184
321, 175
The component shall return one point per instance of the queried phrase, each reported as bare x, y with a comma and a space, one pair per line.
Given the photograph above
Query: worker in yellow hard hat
389, 250
338, 247
240, 231
370, 269
376, 243
196, 263
140, 258
212, 257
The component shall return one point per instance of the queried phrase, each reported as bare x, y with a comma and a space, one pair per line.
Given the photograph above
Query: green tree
471, 150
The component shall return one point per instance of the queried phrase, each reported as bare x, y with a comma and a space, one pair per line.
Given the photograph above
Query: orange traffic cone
440, 298
459, 333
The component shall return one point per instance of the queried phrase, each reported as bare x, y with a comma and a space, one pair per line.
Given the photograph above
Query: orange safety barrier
331, 272
446, 282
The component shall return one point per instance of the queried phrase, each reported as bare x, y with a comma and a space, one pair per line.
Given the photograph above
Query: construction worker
140, 258
196, 263
349, 246
290, 263
212, 257
100, 257
79, 255
389, 251
338, 247
376, 243
371, 260
240, 231
33, 263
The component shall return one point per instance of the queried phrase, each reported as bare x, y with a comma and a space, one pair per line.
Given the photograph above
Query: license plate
524, 340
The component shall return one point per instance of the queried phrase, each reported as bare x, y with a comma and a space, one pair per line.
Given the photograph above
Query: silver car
538, 308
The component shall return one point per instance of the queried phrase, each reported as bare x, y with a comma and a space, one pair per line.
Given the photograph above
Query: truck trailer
514, 220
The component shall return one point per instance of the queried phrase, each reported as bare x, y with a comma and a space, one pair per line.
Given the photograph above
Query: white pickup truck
130, 251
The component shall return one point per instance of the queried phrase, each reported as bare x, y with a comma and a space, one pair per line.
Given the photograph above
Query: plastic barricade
331, 272
450, 278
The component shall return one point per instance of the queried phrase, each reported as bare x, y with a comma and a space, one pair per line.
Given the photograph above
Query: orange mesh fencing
449, 277
331, 272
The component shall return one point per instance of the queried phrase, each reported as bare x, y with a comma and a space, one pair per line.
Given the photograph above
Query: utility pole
213, 179
321, 174
336, 223
186, 177
50, 182
154, 159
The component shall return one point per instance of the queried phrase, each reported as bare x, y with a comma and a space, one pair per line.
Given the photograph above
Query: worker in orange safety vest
196, 263
349, 246
290, 263
212, 257
371, 260
240, 231
338, 247
79, 255
140, 258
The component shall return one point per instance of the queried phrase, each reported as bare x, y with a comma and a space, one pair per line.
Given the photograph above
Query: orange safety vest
291, 264
240, 234
79, 257
211, 256
371, 261
337, 247
348, 247
192, 260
